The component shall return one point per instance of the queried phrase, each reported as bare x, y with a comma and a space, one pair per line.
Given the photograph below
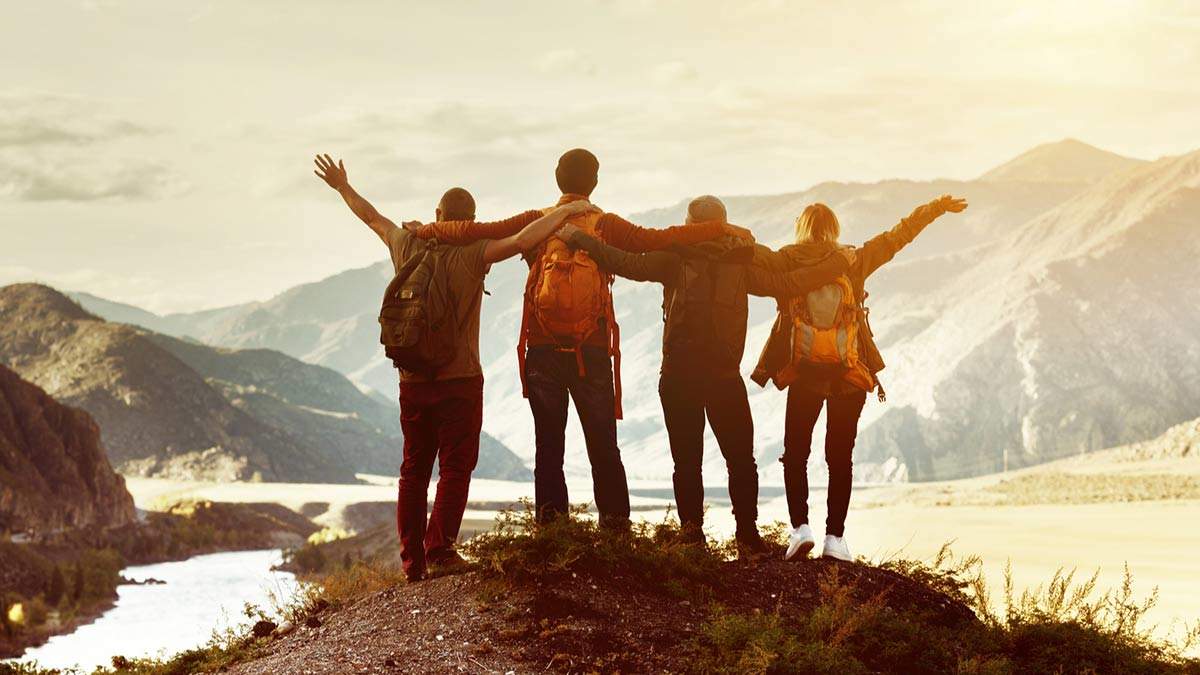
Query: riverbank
201, 596
68, 580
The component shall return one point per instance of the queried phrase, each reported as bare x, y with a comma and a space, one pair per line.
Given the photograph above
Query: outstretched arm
534, 233
803, 279
335, 177
460, 232
626, 236
883, 247
655, 266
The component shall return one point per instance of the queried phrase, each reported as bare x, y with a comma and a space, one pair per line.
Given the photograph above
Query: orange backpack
825, 325
568, 294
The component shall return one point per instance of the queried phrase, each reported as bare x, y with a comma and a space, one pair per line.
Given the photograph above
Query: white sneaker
800, 542
835, 547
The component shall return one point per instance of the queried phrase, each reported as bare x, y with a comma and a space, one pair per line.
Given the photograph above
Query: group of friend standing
820, 349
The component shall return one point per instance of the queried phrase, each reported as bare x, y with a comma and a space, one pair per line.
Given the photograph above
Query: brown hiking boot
445, 562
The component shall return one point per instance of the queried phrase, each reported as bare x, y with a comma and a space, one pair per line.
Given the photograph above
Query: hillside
54, 473
158, 416
1073, 333
315, 403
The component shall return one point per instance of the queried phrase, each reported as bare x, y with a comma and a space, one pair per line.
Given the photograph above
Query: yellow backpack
567, 294
825, 326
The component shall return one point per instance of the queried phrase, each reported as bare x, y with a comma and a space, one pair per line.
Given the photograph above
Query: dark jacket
777, 353
705, 288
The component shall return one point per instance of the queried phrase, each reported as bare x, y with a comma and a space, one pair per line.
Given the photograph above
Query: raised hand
951, 204
566, 231
334, 175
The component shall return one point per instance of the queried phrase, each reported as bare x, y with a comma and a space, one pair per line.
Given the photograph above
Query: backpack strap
614, 349
526, 315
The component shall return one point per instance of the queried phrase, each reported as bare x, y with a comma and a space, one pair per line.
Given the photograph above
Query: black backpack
418, 325
706, 307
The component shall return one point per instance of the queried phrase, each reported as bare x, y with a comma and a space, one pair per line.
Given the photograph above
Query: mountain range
173, 407
1051, 317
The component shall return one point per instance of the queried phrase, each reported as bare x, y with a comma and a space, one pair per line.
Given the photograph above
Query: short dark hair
578, 172
457, 204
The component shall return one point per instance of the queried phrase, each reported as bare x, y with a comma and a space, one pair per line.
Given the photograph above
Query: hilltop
1065, 161
568, 597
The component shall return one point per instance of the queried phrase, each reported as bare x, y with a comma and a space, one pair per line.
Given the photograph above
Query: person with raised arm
569, 345
822, 351
441, 408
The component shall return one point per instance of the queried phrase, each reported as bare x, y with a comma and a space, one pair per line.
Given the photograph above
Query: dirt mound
468, 623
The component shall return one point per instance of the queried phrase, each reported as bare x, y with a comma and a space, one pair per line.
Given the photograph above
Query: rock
312, 622
263, 628
54, 471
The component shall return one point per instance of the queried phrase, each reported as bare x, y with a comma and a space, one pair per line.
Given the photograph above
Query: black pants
551, 376
686, 400
842, 411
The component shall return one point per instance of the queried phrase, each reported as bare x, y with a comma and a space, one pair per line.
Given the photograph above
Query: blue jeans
551, 377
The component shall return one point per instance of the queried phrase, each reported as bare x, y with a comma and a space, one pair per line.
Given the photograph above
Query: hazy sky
160, 152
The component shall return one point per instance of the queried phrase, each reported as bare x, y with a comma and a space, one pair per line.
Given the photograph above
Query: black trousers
551, 377
842, 412
686, 401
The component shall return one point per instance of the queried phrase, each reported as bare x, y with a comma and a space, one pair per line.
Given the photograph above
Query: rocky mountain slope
54, 473
176, 407
1075, 332
332, 322
159, 416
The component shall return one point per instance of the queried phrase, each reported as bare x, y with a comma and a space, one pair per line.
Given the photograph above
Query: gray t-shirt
467, 269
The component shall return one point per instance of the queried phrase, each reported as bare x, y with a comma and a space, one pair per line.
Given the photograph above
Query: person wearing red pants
441, 413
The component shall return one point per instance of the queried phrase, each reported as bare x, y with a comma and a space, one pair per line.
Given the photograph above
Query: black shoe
750, 543
692, 534
413, 576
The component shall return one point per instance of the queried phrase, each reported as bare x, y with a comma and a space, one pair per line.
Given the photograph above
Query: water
202, 594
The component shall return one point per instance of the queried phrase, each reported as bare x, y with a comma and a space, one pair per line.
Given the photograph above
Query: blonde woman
821, 350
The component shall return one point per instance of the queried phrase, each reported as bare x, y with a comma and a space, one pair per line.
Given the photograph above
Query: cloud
45, 120
41, 182
63, 148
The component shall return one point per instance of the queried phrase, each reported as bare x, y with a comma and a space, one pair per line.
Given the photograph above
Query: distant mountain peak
1067, 161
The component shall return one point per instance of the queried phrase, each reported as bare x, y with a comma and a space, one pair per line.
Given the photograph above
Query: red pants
441, 420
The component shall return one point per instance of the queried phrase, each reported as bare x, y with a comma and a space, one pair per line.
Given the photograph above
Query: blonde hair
817, 224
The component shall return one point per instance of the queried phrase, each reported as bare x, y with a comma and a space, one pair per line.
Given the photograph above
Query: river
201, 595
